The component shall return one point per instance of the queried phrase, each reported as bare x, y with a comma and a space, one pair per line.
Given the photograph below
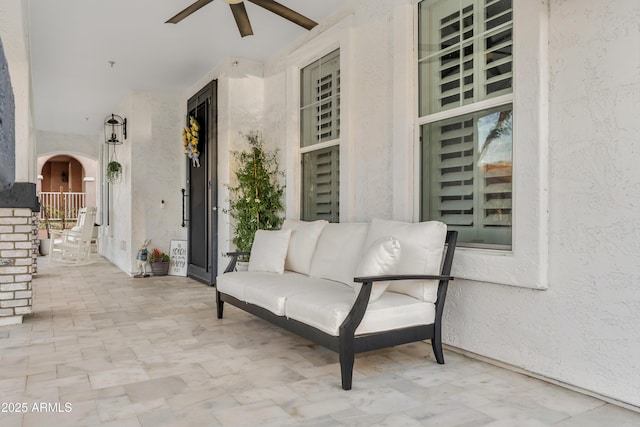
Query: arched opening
65, 186
62, 173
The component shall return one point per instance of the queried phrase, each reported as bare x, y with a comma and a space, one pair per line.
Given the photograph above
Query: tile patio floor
125, 352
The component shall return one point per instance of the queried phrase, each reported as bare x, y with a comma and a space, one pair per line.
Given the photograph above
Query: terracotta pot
159, 268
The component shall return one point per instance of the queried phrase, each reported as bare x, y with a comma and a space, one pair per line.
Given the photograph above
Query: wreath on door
190, 139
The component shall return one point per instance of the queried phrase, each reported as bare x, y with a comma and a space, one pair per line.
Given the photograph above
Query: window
320, 138
465, 60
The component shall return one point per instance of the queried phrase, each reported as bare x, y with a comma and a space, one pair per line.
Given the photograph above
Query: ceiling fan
241, 17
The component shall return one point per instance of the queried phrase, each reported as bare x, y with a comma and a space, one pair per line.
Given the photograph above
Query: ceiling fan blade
242, 19
188, 11
286, 13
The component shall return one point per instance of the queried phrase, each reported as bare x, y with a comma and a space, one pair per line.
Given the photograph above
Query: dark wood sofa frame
347, 344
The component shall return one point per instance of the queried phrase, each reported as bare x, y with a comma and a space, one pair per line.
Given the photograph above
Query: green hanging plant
114, 171
256, 201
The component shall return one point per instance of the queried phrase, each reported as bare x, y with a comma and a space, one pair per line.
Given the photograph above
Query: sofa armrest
371, 279
234, 259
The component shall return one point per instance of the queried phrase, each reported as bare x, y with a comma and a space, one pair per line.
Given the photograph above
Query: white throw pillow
422, 249
304, 238
269, 250
381, 258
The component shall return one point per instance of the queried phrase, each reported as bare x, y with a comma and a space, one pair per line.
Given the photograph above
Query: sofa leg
347, 357
219, 305
436, 345
346, 368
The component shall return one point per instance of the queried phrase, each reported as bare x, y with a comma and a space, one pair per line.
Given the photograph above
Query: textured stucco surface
153, 170
7, 126
584, 329
14, 34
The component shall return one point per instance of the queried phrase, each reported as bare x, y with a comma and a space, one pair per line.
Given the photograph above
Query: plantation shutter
497, 42
468, 52
452, 168
466, 56
469, 174
320, 124
320, 106
321, 184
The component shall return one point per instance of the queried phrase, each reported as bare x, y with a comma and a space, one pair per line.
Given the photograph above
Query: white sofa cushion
234, 283
269, 250
327, 309
304, 238
271, 291
422, 248
339, 251
268, 290
380, 258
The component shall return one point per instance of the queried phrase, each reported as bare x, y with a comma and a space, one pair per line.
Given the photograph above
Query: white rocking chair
74, 245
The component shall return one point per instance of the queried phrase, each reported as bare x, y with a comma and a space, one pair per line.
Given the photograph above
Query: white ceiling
72, 42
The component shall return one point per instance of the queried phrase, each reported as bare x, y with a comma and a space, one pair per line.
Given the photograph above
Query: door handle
215, 208
184, 197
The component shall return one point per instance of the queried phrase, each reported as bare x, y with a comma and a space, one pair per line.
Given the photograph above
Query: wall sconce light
64, 177
115, 129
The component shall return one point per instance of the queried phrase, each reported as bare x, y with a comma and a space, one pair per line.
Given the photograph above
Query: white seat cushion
237, 283
422, 248
233, 283
339, 251
327, 309
304, 238
272, 291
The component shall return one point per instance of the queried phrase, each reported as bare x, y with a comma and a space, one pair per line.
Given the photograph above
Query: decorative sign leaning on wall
178, 258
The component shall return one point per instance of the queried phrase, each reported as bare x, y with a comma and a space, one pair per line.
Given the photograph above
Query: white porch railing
61, 205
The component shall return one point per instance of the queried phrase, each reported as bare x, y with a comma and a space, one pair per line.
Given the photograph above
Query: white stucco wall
14, 32
582, 330
157, 171
153, 171
55, 143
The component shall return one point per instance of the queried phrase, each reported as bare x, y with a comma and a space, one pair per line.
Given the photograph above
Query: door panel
202, 185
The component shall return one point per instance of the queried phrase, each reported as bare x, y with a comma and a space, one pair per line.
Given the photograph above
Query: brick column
16, 247
35, 241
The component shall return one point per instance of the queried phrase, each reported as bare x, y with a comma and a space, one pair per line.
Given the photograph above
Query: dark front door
202, 188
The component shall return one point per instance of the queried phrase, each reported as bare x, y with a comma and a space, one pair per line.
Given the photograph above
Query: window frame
334, 38
317, 147
526, 263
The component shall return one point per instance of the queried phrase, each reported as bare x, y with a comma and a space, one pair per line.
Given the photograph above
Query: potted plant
114, 171
159, 262
256, 199
45, 243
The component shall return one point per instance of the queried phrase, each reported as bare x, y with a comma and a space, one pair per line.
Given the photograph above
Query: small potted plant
159, 262
45, 242
256, 199
114, 171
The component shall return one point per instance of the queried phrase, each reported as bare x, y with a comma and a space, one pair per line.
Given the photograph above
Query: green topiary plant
256, 200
